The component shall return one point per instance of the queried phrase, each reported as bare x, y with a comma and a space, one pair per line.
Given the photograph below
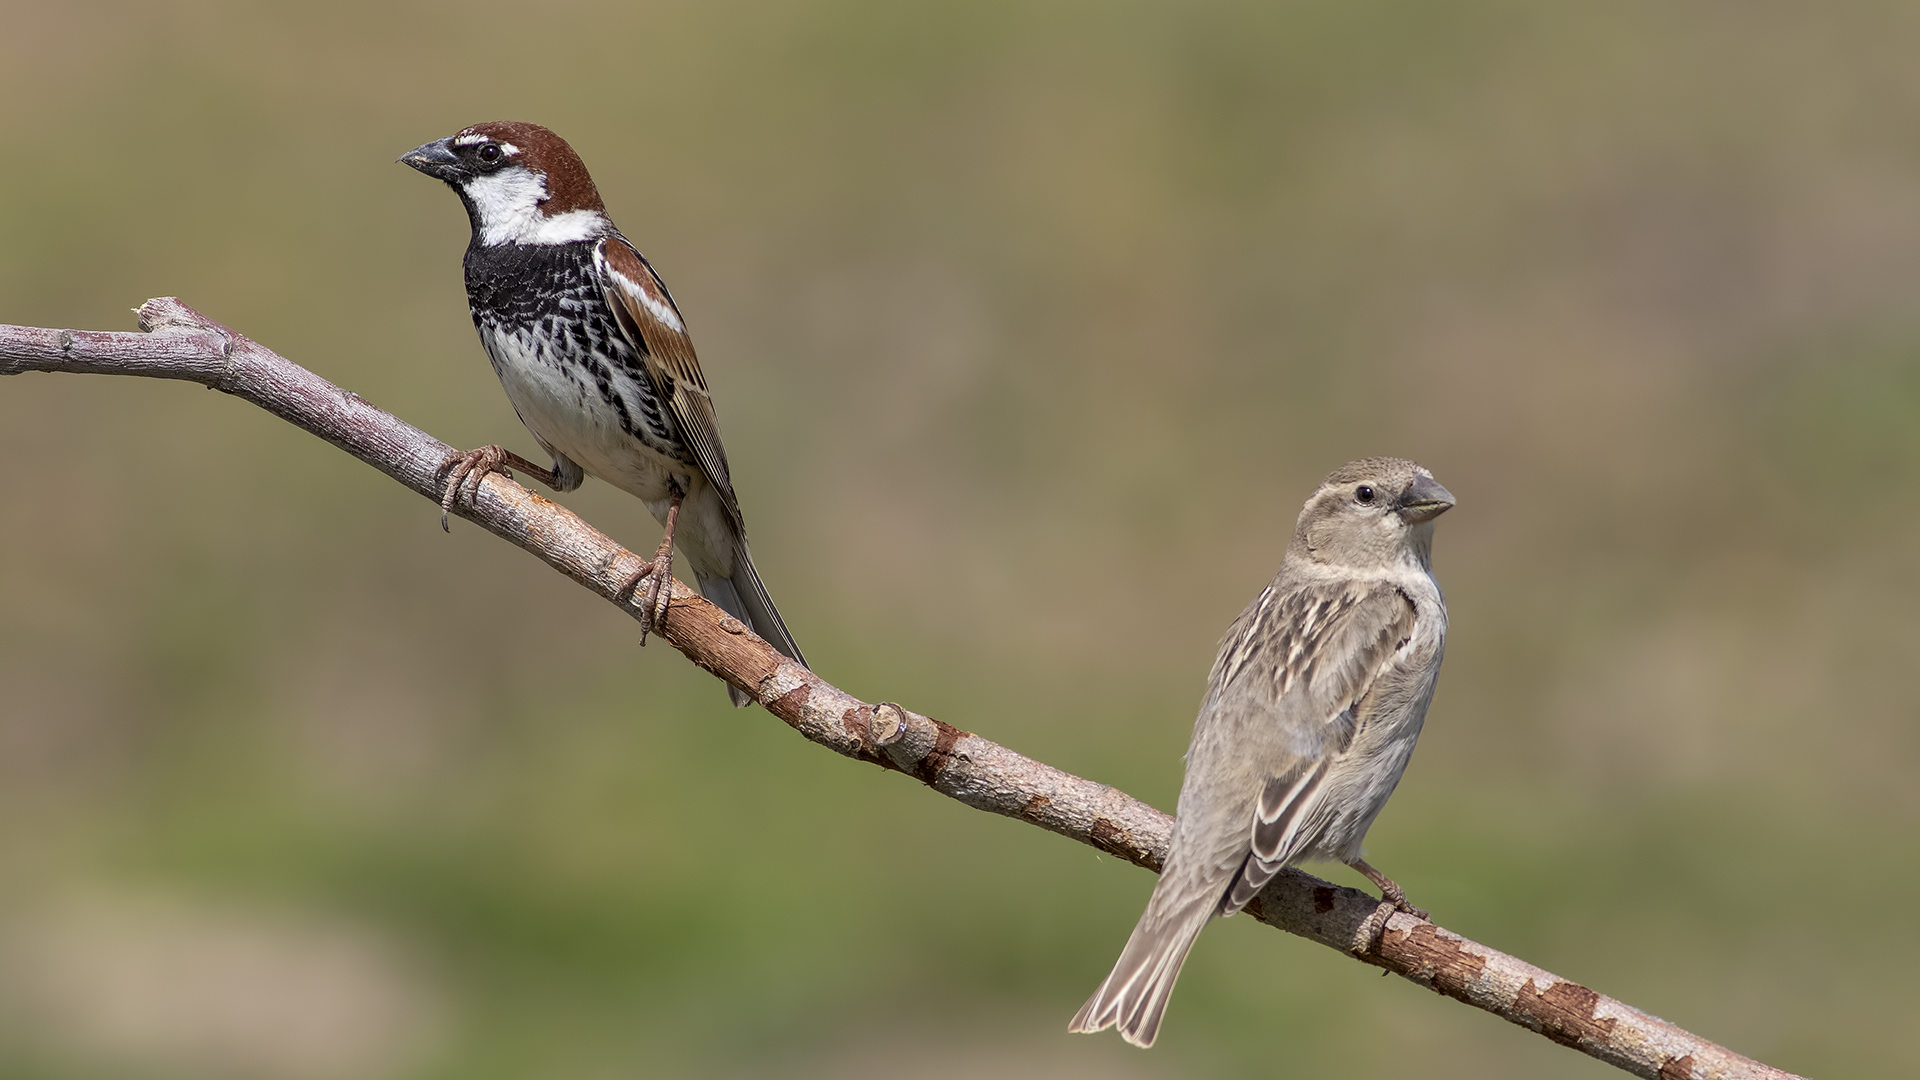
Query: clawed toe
1399, 901
1390, 892
466, 470
659, 595
660, 589
626, 592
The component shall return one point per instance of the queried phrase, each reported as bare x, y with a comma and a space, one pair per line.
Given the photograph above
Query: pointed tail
745, 598
1134, 997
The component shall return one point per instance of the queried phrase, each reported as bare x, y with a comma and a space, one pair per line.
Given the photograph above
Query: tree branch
180, 343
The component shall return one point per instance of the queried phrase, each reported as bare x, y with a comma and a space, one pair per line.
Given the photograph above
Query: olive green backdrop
1030, 326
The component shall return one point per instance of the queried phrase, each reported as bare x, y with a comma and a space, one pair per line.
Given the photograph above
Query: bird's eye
489, 153
1364, 493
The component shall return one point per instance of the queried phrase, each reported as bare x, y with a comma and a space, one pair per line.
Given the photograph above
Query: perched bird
1312, 709
596, 360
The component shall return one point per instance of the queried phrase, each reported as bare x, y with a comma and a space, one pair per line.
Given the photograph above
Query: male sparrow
1312, 709
596, 360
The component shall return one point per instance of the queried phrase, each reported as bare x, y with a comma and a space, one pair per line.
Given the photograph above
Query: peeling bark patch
1036, 806
788, 706
931, 766
1116, 841
1437, 963
857, 722
1680, 1068
1564, 1012
1323, 899
1105, 835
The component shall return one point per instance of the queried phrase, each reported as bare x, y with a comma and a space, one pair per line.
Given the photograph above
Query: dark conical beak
436, 159
1424, 500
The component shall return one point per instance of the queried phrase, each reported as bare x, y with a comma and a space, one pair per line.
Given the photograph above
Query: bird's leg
1389, 892
465, 470
660, 589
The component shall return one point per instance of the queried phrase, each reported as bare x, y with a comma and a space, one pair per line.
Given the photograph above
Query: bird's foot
658, 574
659, 589
660, 571
1390, 893
465, 470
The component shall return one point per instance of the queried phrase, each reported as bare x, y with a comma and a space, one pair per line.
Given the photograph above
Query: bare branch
180, 343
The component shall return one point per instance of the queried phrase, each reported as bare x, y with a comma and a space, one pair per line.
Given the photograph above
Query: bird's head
1371, 513
521, 183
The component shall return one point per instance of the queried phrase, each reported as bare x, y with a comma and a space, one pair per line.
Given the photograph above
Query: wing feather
1335, 642
653, 326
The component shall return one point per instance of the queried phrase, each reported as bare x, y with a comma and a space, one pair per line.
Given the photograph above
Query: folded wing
652, 323
1323, 685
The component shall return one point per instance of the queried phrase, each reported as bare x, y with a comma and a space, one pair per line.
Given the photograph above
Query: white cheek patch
507, 203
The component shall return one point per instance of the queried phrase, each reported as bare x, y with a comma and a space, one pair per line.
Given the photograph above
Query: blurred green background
1030, 325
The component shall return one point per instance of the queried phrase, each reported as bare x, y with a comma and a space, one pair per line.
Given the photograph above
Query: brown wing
653, 326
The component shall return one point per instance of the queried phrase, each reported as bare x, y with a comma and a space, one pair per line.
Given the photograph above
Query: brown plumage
1312, 709
596, 358
569, 185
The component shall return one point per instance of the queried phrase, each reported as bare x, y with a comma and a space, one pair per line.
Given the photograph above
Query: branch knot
170, 313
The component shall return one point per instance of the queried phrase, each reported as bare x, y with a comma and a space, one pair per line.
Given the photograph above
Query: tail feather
745, 598
766, 620
1134, 995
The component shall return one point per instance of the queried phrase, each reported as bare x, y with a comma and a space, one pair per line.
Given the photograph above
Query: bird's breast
572, 376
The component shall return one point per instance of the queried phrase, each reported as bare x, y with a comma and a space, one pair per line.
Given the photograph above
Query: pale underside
570, 418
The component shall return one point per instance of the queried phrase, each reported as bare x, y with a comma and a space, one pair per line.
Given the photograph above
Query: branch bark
180, 343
